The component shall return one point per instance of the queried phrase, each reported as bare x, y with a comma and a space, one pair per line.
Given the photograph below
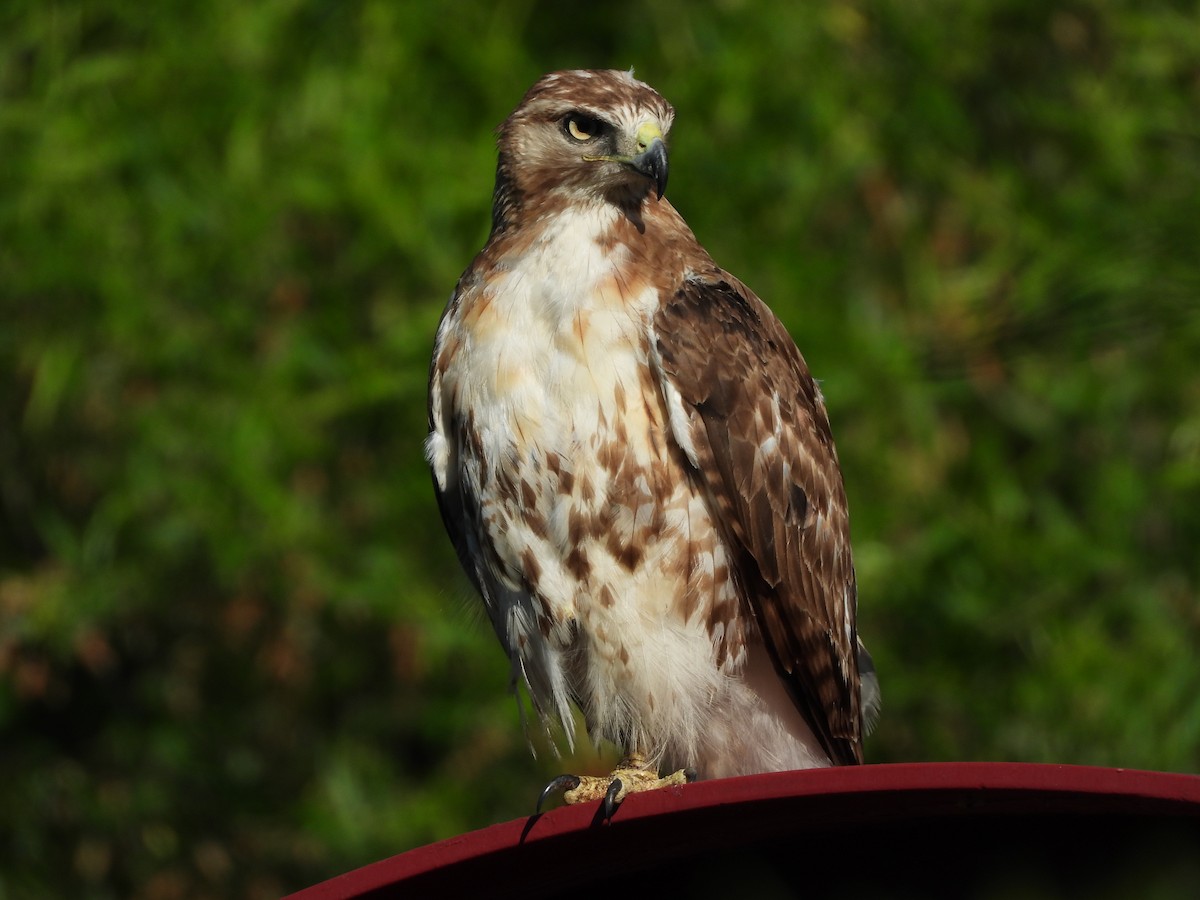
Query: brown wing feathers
766, 455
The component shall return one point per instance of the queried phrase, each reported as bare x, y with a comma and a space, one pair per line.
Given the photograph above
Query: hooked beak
652, 162
649, 158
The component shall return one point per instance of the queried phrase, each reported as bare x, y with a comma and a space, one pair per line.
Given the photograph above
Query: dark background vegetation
236, 655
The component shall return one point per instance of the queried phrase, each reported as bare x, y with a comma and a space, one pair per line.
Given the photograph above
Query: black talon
610, 798
690, 774
561, 783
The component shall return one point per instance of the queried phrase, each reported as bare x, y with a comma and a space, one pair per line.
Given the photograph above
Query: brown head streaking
635, 465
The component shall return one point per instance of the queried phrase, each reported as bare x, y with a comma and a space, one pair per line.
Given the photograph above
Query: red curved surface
1045, 810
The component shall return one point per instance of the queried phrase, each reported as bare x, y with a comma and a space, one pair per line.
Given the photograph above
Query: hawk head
580, 136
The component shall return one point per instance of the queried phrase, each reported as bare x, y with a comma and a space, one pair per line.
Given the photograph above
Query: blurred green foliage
236, 656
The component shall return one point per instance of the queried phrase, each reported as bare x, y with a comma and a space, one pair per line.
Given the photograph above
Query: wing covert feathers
765, 454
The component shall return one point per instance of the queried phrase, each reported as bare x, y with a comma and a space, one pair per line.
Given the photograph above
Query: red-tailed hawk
635, 465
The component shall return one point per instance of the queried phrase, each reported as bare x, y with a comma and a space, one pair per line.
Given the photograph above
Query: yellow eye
582, 128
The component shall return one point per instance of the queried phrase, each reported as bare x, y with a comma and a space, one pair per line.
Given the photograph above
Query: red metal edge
901, 789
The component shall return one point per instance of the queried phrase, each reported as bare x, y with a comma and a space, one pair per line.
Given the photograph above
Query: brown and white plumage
634, 463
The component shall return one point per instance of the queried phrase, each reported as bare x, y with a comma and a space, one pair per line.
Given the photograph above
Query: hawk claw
630, 777
561, 783
612, 798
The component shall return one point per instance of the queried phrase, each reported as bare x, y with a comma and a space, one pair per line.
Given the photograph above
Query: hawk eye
582, 128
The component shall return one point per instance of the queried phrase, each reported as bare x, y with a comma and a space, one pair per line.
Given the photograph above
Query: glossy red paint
925, 826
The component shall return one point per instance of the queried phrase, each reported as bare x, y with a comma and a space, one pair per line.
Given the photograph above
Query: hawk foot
631, 776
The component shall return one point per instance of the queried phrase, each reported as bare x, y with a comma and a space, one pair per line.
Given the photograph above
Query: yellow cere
646, 134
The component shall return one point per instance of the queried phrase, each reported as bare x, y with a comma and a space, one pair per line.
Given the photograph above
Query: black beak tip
653, 164
659, 167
